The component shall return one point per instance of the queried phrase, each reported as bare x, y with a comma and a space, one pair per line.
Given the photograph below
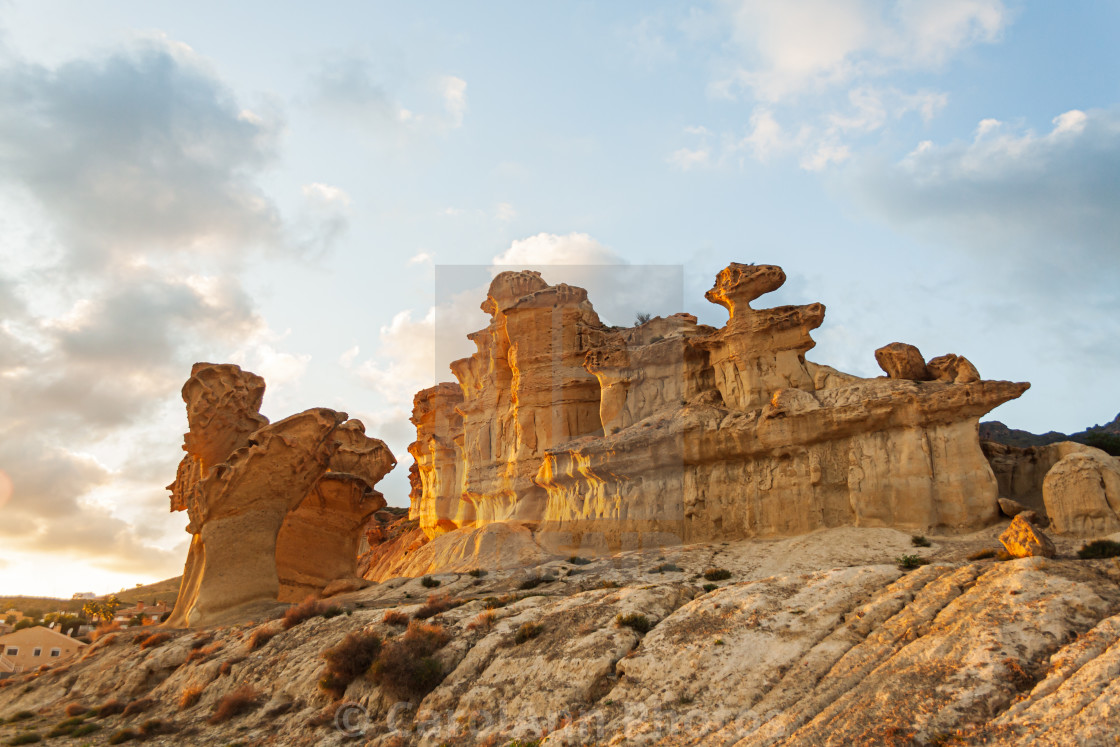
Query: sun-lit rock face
604, 437
242, 481
318, 541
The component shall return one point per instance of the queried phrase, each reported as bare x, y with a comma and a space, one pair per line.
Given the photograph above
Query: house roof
37, 633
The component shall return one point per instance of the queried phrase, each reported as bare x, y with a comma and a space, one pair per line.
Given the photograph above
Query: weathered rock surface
1009, 653
1082, 494
242, 481
605, 437
1024, 540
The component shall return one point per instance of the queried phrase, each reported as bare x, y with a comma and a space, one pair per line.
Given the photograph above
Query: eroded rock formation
673, 431
1082, 493
241, 483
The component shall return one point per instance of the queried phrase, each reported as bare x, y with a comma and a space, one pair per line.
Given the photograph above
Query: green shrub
634, 621
333, 611
667, 568
122, 736
20, 716
348, 660
717, 574
407, 666
1099, 549
577, 560
533, 582
919, 540
429, 583
153, 726
84, 729
527, 631
476, 572
910, 562
26, 738
710, 587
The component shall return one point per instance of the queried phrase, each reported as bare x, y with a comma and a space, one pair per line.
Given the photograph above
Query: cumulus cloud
1011, 190
140, 150
803, 46
137, 170
820, 75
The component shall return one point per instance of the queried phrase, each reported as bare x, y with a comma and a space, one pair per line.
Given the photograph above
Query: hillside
1105, 436
818, 639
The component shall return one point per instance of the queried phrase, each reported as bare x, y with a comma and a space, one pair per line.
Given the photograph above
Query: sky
320, 194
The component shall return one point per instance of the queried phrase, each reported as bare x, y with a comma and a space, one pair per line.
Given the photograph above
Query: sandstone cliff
601, 437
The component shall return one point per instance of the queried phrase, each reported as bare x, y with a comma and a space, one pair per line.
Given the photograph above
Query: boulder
1011, 508
1082, 494
902, 361
1024, 540
955, 369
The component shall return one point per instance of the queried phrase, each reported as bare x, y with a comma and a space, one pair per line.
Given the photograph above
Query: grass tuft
919, 540
302, 612
1099, 549
429, 583
717, 574
636, 622
910, 562
395, 617
526, 632
240, 701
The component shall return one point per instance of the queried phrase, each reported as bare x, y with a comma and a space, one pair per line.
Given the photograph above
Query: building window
56, 651
37, 652
12, 651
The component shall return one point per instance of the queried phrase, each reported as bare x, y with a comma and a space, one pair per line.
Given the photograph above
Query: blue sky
287, 186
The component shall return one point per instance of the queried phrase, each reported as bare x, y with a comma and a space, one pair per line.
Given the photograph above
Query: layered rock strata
673, 431
241, 482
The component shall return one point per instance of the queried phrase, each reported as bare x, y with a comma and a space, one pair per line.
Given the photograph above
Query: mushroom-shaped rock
1024, 540
242, 504
1082, 494
738, 284
902, 361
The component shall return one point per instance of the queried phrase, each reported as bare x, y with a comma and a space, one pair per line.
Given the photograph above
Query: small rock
1023, 540
1011, 508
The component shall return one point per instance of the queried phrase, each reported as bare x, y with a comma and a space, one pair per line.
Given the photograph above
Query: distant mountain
1105, 437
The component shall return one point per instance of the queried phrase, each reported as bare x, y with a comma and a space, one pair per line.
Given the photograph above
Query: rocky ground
819, 639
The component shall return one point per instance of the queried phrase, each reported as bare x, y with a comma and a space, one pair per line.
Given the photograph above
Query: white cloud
325, 194
691, 158
405, 360
454, 91
1047, 200
800, 46
504, 212
551, 249
420, 258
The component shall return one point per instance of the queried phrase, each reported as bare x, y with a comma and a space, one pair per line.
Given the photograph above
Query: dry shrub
156, 639
103, 630
154, 726
527, 632
301, 612
109, 708
76, 709
261, 636
122, 736
242, 700
484, 621
407, 665
190, 697
227, 665
348, 660
395, 617
138, 706
436, 604
201, 652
